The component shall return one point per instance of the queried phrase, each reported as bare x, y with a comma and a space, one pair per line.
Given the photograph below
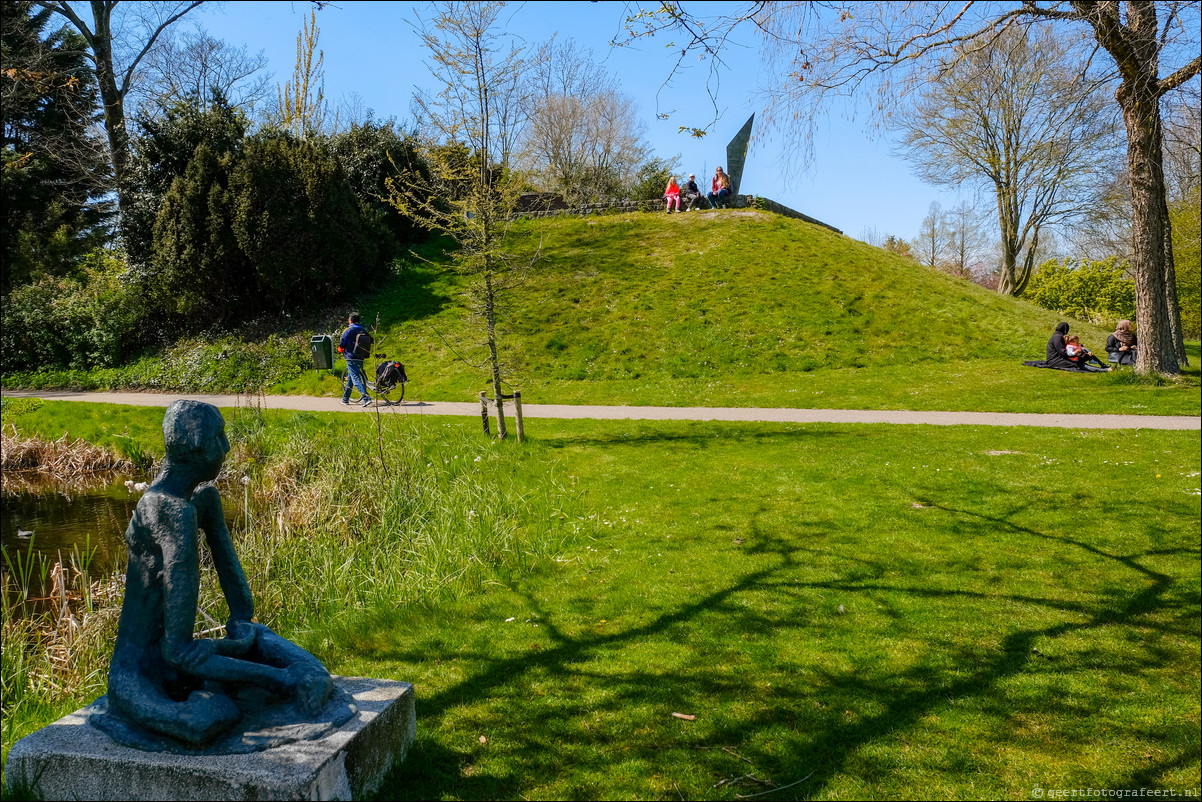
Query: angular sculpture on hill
736, 155
172, 691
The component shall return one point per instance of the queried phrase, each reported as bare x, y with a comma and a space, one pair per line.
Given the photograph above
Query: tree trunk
114, 105
1170, 286
491, 319
1008, 281
1133, 42
1141, 115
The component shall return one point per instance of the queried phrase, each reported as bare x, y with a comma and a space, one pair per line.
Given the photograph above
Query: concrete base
70, 759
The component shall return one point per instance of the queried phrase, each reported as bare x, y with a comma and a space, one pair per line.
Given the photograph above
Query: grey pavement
571, 411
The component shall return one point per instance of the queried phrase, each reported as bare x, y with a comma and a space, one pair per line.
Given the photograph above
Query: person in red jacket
719, 190
672, 194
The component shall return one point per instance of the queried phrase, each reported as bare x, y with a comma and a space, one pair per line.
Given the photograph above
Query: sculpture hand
314, 687
240, 636
193, 654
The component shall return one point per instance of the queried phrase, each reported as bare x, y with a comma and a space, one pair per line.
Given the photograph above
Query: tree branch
1179, 77
129, 71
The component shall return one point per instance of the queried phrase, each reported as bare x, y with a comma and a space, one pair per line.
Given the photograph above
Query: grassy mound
742, 308
739, 308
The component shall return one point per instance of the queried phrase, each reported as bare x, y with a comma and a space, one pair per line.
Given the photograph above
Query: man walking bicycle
356, 344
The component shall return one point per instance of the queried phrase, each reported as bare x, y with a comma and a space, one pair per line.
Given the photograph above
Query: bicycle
390, 375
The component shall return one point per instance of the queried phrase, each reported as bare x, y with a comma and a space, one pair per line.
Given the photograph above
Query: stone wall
769, 205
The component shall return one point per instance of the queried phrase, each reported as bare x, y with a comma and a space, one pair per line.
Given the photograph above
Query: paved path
1178, 422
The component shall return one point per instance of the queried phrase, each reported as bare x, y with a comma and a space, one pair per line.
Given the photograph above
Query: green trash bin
322, 348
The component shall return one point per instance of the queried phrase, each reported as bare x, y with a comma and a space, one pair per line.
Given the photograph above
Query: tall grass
387, 511
56, 649
338, 516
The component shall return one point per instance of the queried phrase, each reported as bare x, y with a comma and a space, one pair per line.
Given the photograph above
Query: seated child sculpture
163, 679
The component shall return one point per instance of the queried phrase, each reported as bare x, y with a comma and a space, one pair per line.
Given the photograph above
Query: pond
80, 523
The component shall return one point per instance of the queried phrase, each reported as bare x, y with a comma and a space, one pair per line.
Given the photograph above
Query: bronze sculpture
163, 681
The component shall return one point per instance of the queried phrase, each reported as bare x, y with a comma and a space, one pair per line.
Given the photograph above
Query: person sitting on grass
672, 194
1082, 356
1121, 346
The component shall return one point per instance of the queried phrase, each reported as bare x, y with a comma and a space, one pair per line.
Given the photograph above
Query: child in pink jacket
672, 194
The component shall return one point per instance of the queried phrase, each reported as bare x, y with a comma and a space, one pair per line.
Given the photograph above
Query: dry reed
62, 457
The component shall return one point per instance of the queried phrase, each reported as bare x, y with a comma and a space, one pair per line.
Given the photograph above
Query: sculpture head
194, 435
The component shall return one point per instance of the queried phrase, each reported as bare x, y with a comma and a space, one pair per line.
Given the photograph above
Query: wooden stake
484, 411
517, 413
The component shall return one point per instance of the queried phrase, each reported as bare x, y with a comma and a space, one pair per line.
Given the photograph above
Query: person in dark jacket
1121, 344
356, 345
1057, 350
691, 194
1058, 356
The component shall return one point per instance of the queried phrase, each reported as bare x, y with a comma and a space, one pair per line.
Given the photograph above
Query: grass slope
744, 308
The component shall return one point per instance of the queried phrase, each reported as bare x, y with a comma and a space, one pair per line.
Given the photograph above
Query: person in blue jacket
356, 345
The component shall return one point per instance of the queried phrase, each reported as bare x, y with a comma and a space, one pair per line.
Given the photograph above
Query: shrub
370, 153
94, 320
298, 223
1100, 292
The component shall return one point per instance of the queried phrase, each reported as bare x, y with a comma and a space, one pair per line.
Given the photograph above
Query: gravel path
1178, 422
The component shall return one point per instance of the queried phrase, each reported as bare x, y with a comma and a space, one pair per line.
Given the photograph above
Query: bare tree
933, 238
584, 137
965, 242
1017, 120
117, 44
478, 69
822, 51
300, 106
1104, 229
1183, 140
195, 65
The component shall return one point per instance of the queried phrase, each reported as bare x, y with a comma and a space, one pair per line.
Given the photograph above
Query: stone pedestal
70, 759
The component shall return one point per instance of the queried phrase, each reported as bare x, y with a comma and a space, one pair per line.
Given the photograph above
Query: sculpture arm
173, 527
229, 568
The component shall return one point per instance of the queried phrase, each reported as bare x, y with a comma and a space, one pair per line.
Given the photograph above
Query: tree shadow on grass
703, 434
583, 713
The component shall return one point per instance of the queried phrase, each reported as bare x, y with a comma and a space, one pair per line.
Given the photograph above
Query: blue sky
370, 49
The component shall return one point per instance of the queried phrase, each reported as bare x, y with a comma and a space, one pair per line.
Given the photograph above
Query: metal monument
736, 155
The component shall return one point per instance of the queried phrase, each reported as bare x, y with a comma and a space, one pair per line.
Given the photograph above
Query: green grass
875, 611
748, 310
886, 612
744, 308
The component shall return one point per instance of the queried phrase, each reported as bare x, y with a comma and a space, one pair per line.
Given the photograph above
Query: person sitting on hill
672, 194
719, 190
1081, 355
1057, 356
692, 193
1121, 345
